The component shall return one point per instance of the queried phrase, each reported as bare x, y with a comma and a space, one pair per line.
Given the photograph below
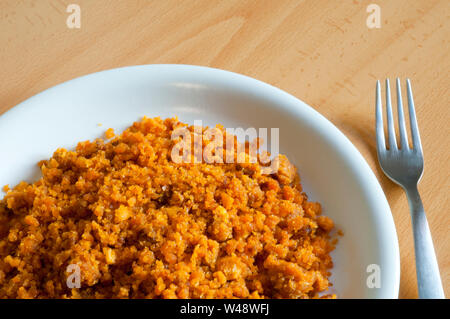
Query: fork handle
428, 278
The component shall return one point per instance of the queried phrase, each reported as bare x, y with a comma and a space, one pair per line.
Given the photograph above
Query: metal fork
404, 166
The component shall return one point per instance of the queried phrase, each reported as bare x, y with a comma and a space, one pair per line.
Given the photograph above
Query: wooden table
323, 52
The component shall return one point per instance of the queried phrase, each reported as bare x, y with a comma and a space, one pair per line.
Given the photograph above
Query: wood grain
320, 51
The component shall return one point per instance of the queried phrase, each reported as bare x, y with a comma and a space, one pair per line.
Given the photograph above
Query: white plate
333, 172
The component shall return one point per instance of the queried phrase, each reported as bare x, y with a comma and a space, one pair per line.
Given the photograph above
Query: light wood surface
320, 51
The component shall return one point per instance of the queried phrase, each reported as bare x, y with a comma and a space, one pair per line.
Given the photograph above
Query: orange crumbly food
139, 225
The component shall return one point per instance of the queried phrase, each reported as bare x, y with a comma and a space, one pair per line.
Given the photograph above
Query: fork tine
412, 119
401, 119
379, 120
390, 118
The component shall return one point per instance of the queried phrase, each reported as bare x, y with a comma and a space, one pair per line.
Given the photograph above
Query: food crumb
109, 133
